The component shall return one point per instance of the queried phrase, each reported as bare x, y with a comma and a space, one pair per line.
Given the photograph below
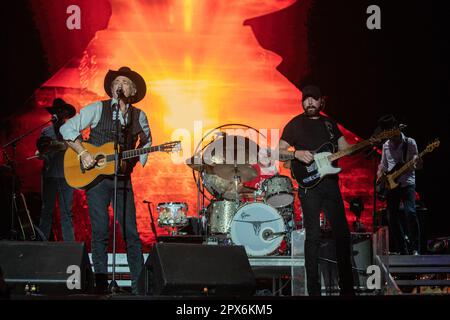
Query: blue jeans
404, 226
99, 198
50, 187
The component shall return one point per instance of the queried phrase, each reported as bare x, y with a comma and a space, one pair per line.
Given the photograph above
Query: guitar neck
137, 152
337, 155
133, 153
406, 166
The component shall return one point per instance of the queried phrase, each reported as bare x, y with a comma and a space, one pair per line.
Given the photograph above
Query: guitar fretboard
407, 166
353, 148
133, 153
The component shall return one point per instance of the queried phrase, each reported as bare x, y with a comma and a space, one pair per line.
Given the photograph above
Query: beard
312, 111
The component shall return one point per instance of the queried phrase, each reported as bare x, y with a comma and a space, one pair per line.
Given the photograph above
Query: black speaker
45, 267
3, 289
197, 270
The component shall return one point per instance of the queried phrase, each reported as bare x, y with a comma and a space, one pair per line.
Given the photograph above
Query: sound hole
100, 160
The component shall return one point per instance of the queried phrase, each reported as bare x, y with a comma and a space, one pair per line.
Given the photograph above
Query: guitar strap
405, 150
58, 135
331, 134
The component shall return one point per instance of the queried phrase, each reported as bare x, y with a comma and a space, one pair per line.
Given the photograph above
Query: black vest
128, 134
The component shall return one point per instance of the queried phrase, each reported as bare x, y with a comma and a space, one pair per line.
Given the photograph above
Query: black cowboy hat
387, 122
137, 79
60, 107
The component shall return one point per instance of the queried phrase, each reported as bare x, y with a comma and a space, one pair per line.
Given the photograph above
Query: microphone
121, 95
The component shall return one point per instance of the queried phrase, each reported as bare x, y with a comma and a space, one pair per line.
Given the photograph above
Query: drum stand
237, 180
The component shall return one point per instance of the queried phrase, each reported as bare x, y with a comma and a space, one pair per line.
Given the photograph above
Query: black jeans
50, 187
99, 198
404, 226
327, 197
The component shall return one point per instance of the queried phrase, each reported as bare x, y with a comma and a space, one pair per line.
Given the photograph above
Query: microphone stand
11, 163
372, 153
113, 287
151, 219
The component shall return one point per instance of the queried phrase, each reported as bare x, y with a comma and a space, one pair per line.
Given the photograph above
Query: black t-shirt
304, 133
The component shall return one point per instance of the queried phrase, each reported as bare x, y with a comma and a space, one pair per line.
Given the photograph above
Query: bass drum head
254, 226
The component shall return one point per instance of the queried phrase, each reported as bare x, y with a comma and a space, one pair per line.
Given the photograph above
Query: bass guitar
388, 181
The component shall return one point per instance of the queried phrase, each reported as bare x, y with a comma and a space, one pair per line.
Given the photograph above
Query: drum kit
257, 218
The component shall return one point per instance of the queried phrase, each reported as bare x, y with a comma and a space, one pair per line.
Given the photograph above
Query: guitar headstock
433, 145
172, 146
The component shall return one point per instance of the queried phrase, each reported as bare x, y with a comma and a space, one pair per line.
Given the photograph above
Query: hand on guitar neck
418, 163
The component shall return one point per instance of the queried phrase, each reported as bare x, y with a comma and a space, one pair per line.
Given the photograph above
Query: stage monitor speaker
197, 270
45, 267
3, 289
361, 259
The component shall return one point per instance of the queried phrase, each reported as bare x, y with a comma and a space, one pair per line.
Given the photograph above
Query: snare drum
172, 214
259, 228
278, 191
221, 214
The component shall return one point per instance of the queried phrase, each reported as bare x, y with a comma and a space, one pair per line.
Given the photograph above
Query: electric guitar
310, 175
80, 178
388, 181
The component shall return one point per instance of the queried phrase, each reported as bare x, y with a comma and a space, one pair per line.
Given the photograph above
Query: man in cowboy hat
124, 87
51, 148
396, 151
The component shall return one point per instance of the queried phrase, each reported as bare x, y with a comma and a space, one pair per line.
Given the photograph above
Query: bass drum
259, 228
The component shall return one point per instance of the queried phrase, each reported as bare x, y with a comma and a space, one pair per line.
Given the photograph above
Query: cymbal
230, 192
228, 157
231, 149
196, 163
244, 172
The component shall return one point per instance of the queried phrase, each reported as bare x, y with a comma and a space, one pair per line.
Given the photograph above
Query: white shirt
392, 154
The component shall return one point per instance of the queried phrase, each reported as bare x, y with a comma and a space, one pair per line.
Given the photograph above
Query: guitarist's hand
87, 160
304, 156
375, 140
